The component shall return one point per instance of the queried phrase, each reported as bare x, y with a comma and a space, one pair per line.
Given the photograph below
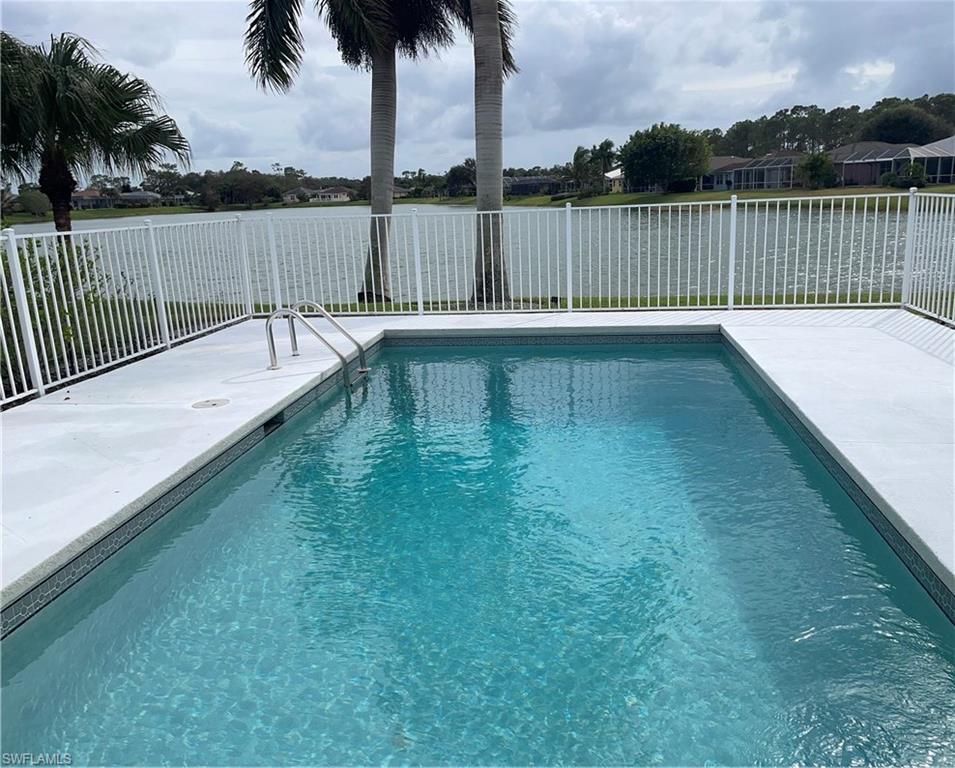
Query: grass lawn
644, 198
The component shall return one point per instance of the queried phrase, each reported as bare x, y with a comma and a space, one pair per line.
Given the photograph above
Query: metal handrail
300, 305
293, 315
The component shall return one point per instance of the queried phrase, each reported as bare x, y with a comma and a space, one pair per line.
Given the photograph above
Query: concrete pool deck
875, 387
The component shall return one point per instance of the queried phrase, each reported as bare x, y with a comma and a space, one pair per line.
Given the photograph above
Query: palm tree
369, 34
581, 167
492, 22
604, 155
64, 113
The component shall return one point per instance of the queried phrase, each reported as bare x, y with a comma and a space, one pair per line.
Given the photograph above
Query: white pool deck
874, 386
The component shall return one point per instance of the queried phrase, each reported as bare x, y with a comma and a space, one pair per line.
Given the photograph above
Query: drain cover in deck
217, 402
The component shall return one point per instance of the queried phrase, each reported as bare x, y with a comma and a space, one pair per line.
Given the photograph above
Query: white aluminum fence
92, 299
72, 304
931, 282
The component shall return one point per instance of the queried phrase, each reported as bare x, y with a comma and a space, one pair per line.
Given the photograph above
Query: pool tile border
931, 582
38, 597
481, 338
41, 595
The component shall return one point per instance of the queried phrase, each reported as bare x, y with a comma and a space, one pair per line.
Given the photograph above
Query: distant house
864, 162
719, 172
86, 199
614, 180
938, 159
777, 170
401, 192
534, 185
333, 195
139, 198
327, 195
297, 194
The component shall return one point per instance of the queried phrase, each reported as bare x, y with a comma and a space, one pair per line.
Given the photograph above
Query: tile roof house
85, 199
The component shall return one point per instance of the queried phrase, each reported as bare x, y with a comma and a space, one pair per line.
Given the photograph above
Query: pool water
613, 554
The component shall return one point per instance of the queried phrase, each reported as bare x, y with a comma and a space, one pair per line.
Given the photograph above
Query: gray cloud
589, 69
218, 139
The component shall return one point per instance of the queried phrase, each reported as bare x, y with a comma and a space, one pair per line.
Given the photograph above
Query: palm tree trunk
384, 98
490, 274
57, 183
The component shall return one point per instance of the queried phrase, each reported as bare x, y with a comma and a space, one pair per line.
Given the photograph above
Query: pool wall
92, 555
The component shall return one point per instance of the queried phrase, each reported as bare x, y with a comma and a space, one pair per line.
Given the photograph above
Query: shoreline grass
533, 201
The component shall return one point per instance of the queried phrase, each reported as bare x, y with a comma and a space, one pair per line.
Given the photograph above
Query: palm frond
19, 114
361, 28
422, 27
141, 147
273, 42
61, 102
461, 9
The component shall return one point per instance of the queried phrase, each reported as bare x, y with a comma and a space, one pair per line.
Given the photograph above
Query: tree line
812, 129
671, 157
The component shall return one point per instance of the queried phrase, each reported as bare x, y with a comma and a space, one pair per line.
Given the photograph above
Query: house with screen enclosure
864, 162
534, 185
776, 170
719, 173
938, 159
139, 198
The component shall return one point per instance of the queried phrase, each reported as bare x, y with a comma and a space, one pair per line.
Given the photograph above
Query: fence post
419, 292
274, 256
731, 283
159, 295
23, 314
910, 223
244, 261
568, 256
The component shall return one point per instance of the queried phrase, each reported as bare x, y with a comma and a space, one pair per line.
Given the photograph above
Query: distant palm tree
492, 22
369, 33
64, 113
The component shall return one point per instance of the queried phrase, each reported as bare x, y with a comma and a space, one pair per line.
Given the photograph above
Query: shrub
34, 202
911, 175
682, 185
562, 196
816, 171
664, 154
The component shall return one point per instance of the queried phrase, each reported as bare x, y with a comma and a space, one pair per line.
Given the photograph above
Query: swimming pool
502, 555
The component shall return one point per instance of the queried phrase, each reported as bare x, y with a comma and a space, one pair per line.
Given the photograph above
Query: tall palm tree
492, 22
369, 34
64, 113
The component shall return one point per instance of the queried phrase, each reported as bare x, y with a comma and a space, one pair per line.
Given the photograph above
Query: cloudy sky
590, 69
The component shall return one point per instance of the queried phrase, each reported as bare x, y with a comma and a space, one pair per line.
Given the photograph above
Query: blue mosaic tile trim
557, 340
929, 580
57, 583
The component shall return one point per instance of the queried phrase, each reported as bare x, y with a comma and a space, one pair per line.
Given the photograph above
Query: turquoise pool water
503, 555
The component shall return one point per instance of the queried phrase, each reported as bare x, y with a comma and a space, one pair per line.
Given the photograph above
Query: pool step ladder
295, 314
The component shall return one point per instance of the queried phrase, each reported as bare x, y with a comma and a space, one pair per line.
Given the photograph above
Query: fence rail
75, 303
